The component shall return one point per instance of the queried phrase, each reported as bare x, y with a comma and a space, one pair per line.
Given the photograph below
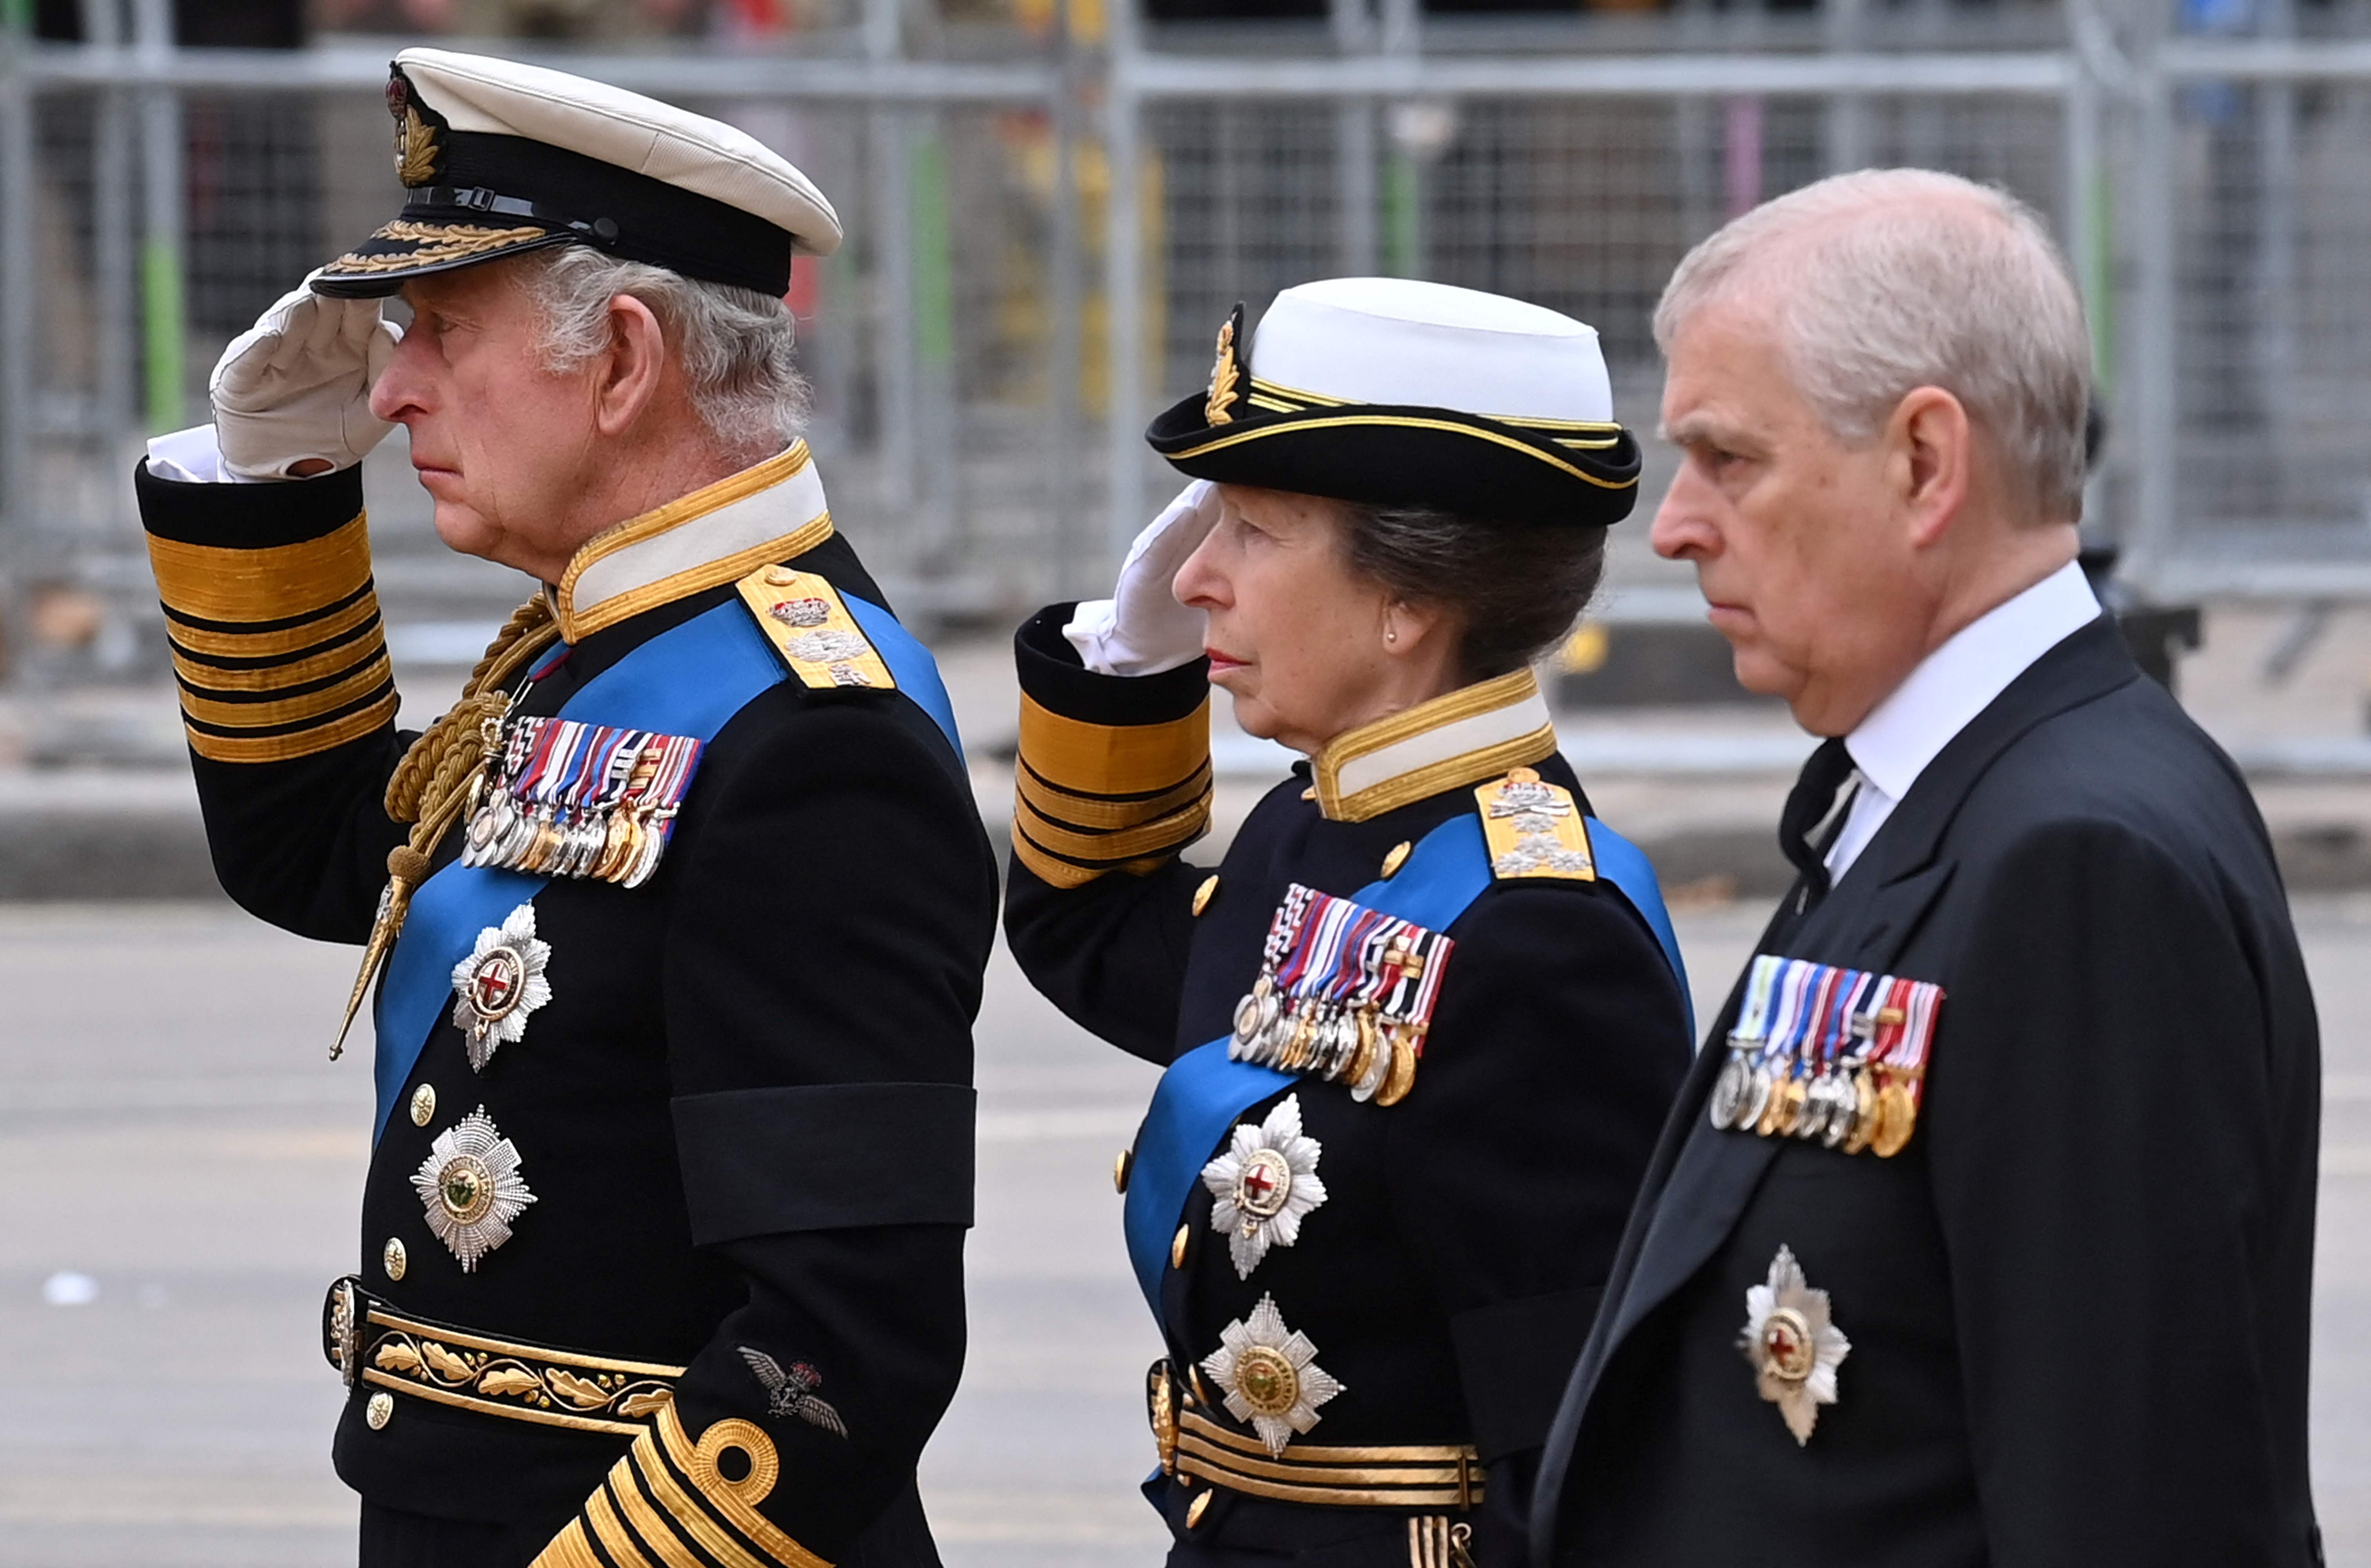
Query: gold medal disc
1864, 1114
1897, 1117
1402, 1078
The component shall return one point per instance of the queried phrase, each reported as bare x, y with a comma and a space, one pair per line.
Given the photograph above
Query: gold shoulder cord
437, 777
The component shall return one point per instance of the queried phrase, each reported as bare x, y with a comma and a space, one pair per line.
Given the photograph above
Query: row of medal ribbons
1835, 1055
566, 798
1345, 993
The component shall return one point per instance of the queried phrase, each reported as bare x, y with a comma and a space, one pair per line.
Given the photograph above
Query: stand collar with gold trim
719, 534
1466, 736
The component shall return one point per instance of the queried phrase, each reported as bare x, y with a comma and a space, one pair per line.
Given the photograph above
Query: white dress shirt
1902, 734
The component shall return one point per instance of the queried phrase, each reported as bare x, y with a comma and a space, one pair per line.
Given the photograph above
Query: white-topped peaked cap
499, 157
1402, 342
1391, 391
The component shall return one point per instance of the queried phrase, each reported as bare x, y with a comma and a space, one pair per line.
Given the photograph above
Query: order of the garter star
500, 984
1793, 1344
1265, 1182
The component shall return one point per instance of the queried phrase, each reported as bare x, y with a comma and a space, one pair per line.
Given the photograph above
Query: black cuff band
1052, 676
247, 517
826, 1157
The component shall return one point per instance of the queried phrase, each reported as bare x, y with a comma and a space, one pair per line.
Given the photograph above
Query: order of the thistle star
1264, 1183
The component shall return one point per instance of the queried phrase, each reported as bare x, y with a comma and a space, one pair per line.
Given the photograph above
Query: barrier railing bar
810, 77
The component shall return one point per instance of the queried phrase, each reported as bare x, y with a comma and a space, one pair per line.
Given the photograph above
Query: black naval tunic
745, 1114
1449, 1275
2078, 1302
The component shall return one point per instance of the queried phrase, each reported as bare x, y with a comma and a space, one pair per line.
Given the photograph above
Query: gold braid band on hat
433, 783
435, 245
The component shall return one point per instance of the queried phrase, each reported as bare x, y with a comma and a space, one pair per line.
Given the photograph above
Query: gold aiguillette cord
439, 777
407, 868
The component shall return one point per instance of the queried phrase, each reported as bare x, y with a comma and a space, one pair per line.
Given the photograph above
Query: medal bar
566, 798
1345, 994
1826, 1053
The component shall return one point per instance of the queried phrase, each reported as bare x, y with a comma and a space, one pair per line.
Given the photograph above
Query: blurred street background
1051, 204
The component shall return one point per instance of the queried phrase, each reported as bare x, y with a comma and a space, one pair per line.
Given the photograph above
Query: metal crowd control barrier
1044, 236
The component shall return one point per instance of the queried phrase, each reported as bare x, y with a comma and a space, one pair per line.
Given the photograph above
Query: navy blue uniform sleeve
287, 698
1113, 780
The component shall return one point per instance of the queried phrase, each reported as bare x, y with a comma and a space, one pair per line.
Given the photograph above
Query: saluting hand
292, 393
1142, 629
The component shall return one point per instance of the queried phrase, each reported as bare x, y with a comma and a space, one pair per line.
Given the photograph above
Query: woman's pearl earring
1391, 634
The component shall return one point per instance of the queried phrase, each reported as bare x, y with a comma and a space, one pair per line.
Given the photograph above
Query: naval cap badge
1270, 1376
500, 984
1264, 1183
1794, 1345
471, 1187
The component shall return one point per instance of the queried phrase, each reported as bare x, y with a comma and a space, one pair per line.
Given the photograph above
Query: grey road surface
179, 1174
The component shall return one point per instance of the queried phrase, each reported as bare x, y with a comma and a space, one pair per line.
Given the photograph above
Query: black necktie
1808, 826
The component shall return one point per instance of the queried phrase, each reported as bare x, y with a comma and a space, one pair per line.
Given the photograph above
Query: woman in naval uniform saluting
1422, 1023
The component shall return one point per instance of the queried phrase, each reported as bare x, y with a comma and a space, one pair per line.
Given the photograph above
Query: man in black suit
1983, 1231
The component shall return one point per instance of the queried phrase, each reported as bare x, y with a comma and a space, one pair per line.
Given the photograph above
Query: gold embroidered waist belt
369, 1341
1392, 1475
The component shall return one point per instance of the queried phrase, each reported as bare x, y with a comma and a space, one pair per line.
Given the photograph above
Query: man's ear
631, 375
1930, 454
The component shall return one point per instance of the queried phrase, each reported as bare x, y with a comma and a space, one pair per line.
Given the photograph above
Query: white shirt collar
1893, 746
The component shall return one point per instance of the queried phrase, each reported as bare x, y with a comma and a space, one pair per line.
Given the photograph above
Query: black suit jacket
2078, 1302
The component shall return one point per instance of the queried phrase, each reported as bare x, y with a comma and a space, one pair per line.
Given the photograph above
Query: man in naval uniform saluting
678, 918
1982, 1232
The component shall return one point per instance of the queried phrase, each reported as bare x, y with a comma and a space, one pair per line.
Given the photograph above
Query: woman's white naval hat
1394, 392
501, 158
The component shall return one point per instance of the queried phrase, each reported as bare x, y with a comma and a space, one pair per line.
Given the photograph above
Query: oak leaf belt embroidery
368, 1342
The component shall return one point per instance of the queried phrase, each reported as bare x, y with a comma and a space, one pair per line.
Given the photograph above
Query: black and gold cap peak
498, 159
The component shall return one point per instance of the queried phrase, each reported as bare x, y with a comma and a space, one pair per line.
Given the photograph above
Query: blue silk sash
689, 680
1203, 1092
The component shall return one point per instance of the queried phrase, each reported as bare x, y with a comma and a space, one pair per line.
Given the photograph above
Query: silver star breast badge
1793, 1344
1264, 1183
471, 1187
499, 985
1270, 1376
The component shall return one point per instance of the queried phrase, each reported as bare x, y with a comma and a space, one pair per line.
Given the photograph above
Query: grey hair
736, 345
1900, 277
1514, 589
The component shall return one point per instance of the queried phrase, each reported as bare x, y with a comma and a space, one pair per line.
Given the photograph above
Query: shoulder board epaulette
1533, 829
809, 625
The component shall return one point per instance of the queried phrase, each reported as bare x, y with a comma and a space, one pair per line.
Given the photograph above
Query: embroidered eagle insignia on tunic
791, 1392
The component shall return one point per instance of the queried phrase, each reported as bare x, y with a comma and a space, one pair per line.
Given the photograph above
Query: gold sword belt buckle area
1367, 1476
368, 1341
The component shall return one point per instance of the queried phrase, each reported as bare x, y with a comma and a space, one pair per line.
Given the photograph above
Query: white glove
295, 386
1142, 629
